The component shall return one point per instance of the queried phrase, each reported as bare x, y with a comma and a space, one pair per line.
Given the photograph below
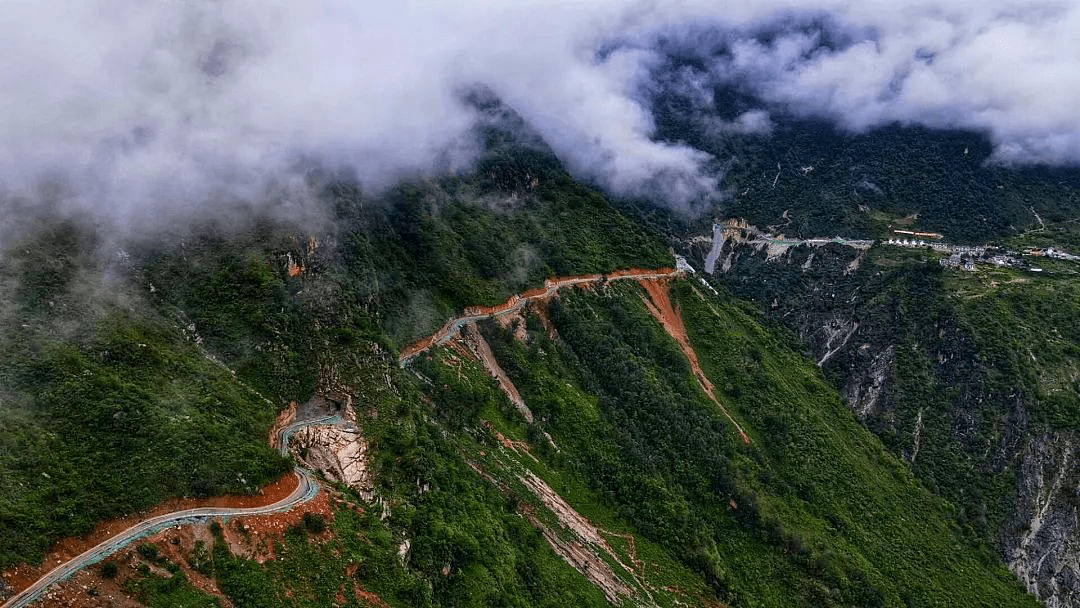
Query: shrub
314, 523
148, 550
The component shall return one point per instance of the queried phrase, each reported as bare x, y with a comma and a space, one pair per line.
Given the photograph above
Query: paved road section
306, 489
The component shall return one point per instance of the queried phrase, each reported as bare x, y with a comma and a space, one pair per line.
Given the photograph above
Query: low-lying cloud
132, 111
1010, 70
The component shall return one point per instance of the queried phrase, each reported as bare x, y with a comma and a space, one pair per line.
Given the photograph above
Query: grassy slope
824, 514
1027, 329
453, 517
977, 356
429, 250
642, 450
1027, 325
837, 485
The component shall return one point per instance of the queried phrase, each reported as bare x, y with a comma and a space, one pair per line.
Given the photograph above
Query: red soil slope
660, 307
540, 294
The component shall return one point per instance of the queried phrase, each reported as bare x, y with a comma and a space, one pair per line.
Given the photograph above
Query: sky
138, 112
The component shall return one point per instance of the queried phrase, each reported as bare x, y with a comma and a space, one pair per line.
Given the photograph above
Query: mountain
937, 292
626, 433
965, 371
658, 304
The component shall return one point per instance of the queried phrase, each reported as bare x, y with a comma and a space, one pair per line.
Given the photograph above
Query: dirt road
516, 302
658, 303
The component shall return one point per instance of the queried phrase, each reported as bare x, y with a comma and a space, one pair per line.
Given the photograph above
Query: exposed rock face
863, 389
835, 334
338, 452
857, 341
736, 233
1042, 545
581, 553
284, 418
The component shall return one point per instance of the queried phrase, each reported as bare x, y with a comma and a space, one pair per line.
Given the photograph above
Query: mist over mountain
138, 114
568, 304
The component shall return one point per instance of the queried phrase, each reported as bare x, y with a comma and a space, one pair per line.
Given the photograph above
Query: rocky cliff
894, 340
1042, 542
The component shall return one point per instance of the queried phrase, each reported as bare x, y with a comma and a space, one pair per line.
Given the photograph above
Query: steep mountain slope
610, 443
804, 513
108, 405
630, 485
240, 321
961, 358
831, 181
968, 374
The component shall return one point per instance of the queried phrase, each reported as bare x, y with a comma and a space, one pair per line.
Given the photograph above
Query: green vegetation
1026, 328
900, 302
394, 269
488, 411
174, 591
469, 546
108, 408
850, 507
314, 523
162, 589
975, 363
429, 250
125, 383
829, 180
814, 512
822, 513
232, 292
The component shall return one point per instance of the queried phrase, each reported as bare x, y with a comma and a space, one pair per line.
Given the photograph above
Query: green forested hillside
813, 512
830, 181
158, 375
822, 513
107, 406
979, 361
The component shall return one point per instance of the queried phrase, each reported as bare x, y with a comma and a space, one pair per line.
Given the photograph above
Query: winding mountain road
306, 489
516, 302
659, 305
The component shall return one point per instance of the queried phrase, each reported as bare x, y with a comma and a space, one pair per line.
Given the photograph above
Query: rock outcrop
339, 452
1042, 545
856, 324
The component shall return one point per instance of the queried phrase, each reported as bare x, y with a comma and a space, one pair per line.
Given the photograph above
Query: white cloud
130, 109
1010, 69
